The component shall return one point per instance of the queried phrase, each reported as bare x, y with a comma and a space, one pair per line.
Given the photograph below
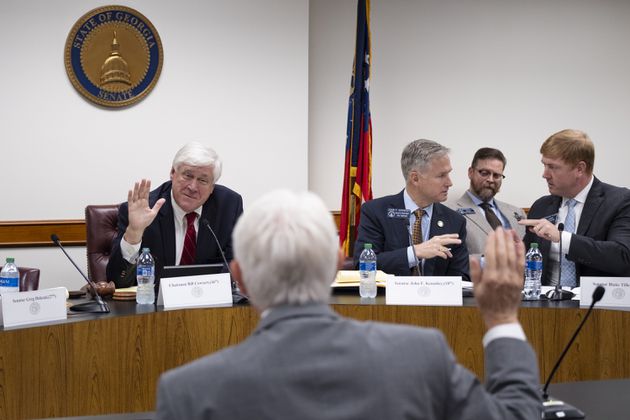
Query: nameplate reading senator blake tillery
113, 56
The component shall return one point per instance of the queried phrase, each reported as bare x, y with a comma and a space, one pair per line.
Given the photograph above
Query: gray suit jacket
307, 362
477, 227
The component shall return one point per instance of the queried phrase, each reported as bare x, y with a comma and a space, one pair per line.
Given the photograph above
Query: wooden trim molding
36, 233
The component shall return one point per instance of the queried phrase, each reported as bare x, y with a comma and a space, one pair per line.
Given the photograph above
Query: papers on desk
351, 278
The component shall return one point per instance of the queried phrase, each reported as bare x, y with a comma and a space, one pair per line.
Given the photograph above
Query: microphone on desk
237, 296
98, 306
558, 293
555, 409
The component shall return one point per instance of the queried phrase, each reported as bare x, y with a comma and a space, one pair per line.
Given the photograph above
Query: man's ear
238, 276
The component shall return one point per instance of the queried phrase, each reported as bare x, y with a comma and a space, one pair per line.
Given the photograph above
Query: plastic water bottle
145, 276
9, 277
533, 272
367, 272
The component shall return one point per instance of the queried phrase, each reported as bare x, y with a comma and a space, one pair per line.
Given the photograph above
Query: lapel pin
440, 223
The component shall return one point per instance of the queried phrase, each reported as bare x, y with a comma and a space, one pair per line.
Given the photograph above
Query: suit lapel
398, 226
167, 227
593, 201
437, 218
206, 246
475, 218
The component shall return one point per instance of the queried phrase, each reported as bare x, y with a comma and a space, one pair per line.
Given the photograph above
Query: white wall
501, 73
235, 76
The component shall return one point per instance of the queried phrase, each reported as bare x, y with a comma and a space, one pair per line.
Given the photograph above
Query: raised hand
140, 214
498, 286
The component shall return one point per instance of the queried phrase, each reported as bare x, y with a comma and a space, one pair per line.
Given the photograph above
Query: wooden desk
99, 364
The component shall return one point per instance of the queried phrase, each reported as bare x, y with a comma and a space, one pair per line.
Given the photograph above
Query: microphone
557, 293
237, 296
555, 409
98, 306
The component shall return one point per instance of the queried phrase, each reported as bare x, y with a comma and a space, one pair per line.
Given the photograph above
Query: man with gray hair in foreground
305, 361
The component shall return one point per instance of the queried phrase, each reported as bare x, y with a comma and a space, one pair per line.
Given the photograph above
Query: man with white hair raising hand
305, 361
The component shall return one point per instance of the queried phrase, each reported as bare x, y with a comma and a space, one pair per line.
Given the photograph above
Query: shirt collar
478, 200
412, 206
581, 196
179, 213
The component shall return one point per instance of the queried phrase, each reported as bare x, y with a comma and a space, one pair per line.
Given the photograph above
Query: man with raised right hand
304, 361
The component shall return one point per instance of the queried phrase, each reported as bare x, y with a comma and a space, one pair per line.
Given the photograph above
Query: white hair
286, 246
198, 154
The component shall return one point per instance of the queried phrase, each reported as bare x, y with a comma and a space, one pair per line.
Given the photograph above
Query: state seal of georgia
113, 56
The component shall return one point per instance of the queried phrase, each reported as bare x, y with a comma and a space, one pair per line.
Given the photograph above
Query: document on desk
617, 292
24, 308
424, 290
189, 291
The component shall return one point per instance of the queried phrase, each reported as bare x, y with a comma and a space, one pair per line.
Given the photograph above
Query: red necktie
190, 241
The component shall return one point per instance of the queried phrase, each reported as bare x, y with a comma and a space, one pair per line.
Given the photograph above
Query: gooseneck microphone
555, 409
97, 306
558, 293
237, 296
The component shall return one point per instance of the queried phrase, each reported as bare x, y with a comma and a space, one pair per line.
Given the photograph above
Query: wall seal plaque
113, 56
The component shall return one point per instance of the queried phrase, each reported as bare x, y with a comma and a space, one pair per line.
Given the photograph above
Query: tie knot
190, 218
485, 205
570, 203
418, 213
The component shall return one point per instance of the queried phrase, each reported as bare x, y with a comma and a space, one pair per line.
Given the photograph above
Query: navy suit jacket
390, 238
222, 209
601, 245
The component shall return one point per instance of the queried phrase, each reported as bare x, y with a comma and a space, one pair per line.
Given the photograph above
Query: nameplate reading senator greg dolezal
113, 56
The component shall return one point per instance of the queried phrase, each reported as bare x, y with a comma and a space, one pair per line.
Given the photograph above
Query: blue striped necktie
568, 267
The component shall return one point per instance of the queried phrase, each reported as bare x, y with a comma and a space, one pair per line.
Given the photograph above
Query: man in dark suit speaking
595, 215
437, 232
304, 361
168, 220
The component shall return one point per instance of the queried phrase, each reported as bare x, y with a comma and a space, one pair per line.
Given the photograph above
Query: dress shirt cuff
410, 257
512, 330
129, 252
566, 242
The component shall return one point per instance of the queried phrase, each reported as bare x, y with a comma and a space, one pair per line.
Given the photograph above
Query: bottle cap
10, 260
146, 250
533, 245
367, 246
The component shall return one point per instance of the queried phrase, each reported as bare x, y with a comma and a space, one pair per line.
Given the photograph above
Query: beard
486, 192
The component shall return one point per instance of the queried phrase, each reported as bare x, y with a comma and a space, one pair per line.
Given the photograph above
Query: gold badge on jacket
113, 56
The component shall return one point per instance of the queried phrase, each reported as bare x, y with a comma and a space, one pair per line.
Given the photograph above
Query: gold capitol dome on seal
115, 70
113, 56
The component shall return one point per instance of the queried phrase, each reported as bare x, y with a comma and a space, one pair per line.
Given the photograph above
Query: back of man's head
286, 248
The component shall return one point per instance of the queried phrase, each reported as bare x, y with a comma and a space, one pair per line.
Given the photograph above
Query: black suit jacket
390, 238
222, 209
601, 245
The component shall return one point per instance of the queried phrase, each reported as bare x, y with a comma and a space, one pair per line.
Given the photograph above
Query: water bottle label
534, 265
367, 266
144, 271
9, 282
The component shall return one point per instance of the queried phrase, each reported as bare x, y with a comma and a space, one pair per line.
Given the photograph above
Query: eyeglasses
485, 174
189, 177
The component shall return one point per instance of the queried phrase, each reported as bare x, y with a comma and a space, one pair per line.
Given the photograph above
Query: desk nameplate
37, 306
424, 290
190, 291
